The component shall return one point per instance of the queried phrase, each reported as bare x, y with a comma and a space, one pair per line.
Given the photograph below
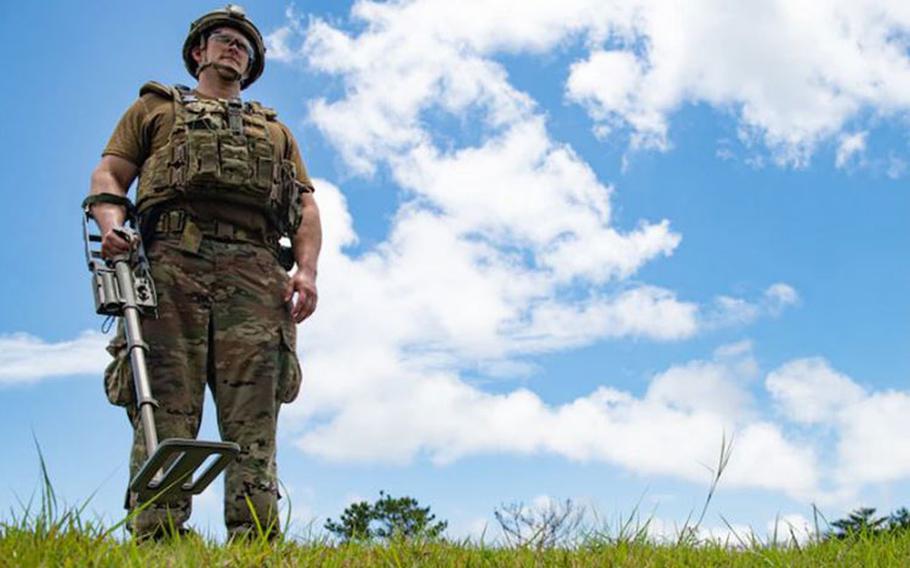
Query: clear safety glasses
240, 43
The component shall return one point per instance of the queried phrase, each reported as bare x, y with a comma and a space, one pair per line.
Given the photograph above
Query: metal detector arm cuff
110, 198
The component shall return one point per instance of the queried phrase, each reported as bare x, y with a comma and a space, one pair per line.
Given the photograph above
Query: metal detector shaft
137, 349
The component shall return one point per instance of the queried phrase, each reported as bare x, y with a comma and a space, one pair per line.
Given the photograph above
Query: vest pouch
264, 164
295, 206
235, 161
204, 165
156, 173
178, 165
280, 198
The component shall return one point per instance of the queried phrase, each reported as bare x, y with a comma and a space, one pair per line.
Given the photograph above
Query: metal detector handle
137, 349
106, 288
129, 235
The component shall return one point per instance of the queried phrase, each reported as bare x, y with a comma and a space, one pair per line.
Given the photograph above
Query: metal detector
123, 287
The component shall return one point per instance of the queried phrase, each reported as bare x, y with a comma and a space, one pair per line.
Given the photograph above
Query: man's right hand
113, 244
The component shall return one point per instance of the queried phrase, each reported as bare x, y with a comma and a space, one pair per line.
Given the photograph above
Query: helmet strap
223, 68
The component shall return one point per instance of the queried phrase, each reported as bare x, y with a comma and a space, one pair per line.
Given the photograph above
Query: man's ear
196, 52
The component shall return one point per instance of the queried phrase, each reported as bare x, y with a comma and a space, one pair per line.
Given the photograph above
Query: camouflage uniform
222, 319
222, 322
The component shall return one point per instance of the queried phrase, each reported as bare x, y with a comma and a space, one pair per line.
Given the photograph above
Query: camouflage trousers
222, 322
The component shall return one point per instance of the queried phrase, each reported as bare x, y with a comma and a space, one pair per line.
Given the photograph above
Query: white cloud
503, 248
25, 358
394, 411
782, 531
522, 223
789, 528
388, 404
298, 499
276, 43
873, 445
849, 146
793, 75
896, 168
669, 532
481, 530
810, 392
718, 387
519, 188
869, 427
779, 296
729, 311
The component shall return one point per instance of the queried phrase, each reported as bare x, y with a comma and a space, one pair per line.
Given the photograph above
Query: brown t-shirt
146, 126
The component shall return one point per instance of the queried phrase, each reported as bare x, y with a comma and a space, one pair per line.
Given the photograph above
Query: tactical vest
220, 151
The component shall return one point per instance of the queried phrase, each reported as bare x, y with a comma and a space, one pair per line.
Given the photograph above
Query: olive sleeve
128, 140
292, 152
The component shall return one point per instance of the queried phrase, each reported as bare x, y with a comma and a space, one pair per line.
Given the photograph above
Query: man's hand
112, 244
304, 284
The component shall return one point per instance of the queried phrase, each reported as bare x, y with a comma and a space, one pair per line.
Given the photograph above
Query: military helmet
231, 16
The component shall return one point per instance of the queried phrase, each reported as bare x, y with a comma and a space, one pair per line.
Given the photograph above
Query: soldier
220, 182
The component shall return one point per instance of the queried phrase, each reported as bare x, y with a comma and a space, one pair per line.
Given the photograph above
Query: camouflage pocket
290, 375
118, 377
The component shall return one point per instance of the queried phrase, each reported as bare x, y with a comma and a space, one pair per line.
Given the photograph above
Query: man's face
227, 47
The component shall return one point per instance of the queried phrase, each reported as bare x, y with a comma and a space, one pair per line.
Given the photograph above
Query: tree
355, 522
539, 527
387, 518
899, 521
403, 517
861, 522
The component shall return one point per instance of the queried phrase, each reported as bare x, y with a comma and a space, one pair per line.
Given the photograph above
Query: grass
44, 535
41, 533
87, 545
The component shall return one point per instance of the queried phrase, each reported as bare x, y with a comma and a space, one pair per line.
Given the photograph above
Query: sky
570, 250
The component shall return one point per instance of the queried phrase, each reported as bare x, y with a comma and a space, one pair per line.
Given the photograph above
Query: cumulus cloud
503, 247
668, 532
729, 311
809, 391
25, 358
896, 167
793, 75
388, 404
515, 230
779, 296
849, 146
783, 531
869, 426
873, 446
397, 392
791, 528
394, 407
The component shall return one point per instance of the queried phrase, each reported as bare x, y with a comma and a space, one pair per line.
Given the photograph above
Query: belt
173, 222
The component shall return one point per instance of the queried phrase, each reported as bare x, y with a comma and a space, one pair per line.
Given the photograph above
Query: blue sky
566, 252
